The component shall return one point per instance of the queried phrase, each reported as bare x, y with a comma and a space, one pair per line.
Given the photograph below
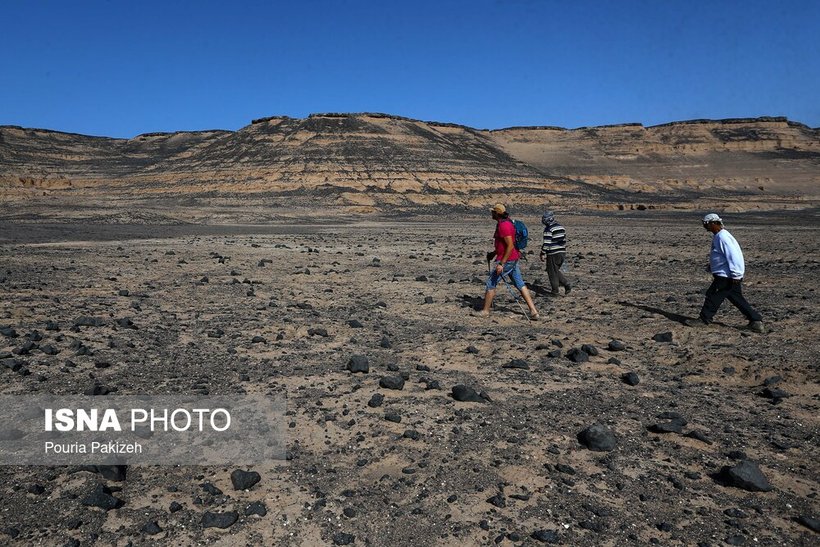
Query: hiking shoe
480, 313
536, 317
567, 289
757, 326
696, 323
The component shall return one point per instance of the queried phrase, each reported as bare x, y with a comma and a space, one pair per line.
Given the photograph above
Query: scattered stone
545, 536
597, 438
577, 355
589, 349
101, 497
85, 321
747, 475
174, 507
412, 434
812, 524
616, 345
472, 349
497, 501
772, 380
211, 489
355, 324
219, 520
341, 538
256, 508
392, 416
244, 480
318, 331
152, 528
385, 343
358, 363
466, 394
376, 400
631, 378
698, 435
775, 394
126, 323
392, 382
517, 363
673, 426
10, 531
258, 340
663, 337
428, 299
48, 349
421, 278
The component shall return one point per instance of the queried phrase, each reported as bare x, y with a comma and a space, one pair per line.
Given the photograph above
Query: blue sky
121, 68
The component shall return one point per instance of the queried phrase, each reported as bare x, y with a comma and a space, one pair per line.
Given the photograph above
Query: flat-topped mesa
181, 133
383, 116
269, 119
374, 159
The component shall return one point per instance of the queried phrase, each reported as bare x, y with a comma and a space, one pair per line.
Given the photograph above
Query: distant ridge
376, 162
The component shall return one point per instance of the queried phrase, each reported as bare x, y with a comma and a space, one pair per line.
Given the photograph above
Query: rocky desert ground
607, 423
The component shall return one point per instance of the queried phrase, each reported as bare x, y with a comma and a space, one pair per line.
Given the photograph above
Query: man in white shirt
727, 268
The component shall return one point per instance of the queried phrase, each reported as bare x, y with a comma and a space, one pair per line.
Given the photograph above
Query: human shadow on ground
669, 315
477, 302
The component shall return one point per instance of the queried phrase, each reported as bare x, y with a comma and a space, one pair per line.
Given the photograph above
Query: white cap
712, 217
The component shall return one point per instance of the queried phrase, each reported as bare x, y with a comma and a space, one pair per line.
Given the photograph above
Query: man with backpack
506, 262
554, 250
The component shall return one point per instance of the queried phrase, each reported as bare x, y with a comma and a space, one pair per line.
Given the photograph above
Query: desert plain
699, 436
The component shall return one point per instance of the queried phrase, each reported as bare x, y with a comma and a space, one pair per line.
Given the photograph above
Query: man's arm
734, 259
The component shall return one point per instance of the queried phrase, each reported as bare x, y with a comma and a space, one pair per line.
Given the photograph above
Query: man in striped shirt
554, 250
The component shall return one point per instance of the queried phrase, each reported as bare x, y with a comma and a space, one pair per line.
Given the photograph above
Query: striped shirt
555, 239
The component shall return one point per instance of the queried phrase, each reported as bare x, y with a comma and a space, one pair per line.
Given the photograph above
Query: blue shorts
512, 271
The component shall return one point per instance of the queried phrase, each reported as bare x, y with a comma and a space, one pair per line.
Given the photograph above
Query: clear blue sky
124, 67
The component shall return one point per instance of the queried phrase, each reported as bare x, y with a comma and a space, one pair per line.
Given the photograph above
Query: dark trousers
557, 278
721, 289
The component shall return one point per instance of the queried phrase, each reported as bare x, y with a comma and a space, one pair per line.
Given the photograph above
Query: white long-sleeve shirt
726, 258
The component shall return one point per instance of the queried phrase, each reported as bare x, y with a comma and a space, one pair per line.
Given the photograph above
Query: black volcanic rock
747, 475
616, 345
244, 480
151, 528
358, 363
545, 536
466, 394
392, 382
86, 321
577, 355
631, 378
219, 520
663, 337
812, 524
597, 438
102, 497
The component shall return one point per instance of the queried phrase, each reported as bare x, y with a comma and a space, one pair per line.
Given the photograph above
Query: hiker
553, 251
506, 262
727, 268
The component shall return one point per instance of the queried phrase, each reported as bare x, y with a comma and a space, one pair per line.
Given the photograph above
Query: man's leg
553, 273
715, 294
562, 280
528, 299
488, 301
518, 281
736, 297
